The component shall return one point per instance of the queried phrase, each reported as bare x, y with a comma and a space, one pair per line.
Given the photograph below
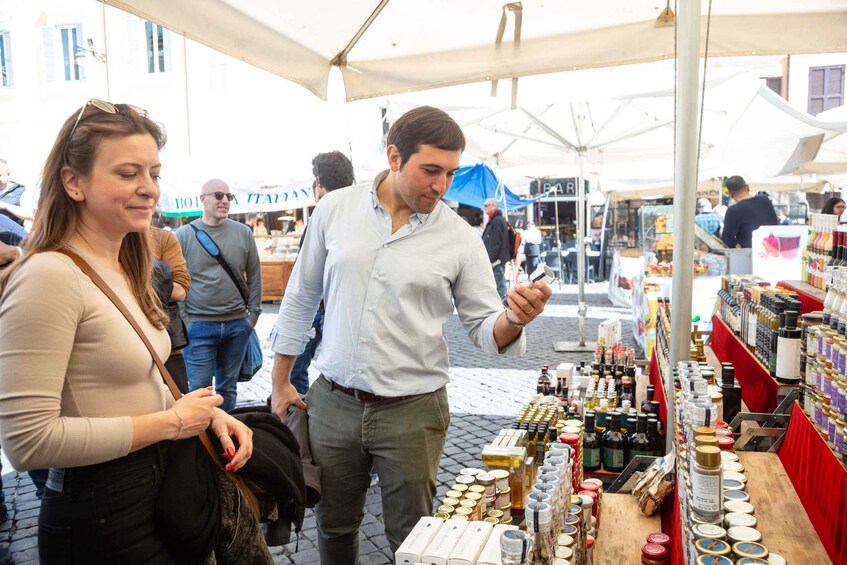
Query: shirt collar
415, 219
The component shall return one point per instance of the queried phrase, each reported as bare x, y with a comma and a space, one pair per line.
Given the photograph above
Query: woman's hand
195, 411
227, 429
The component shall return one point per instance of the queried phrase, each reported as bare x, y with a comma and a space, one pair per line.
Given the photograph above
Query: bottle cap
654, 550
659, 538
709, 456
705, 440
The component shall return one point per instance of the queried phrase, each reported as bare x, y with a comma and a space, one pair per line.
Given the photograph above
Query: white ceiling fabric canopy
390, 46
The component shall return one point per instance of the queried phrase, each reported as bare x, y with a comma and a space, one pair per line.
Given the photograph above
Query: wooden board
785, 527
623, 530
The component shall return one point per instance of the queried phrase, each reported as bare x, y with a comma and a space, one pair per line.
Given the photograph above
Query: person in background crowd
706, 218
10, 193
219, 323
259, 227
782, 219
172, 283
834, 205
496, 240
393, 262
98, 413
531, 238
746, 215
332, 171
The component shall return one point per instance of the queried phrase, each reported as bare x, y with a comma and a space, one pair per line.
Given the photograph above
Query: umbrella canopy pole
685, 190
580, 247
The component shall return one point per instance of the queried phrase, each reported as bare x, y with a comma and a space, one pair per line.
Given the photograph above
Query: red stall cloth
658, 389
820, 481
808, 303
758, 388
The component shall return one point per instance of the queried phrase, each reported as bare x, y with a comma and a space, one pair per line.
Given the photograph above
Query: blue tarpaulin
473, 185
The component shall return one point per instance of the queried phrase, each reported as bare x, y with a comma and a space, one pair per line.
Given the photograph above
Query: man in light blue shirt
392, 261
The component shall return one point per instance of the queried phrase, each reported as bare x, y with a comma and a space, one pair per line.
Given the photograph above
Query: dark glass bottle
590, 445
639, 443
645, 405
655, 437
614, 445
731, 392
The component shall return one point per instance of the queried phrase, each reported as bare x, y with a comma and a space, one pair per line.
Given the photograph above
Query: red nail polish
231, 452
226, 455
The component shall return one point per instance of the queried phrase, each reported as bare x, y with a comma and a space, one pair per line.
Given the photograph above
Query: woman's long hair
57, 217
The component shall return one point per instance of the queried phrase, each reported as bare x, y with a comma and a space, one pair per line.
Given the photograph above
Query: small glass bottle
639, 443
539, 520
590, 445
706, 483
614, 445
514, 547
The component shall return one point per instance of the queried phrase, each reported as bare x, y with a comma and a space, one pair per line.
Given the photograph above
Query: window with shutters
158, 48
70, 38
6, 77
826, 88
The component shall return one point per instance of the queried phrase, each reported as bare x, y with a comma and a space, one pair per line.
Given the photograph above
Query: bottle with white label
788, 351
706, 483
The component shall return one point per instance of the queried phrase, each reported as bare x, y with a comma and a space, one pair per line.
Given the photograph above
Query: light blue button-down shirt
388, 295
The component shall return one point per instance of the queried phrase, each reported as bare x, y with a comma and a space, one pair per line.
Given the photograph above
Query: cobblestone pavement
485, 393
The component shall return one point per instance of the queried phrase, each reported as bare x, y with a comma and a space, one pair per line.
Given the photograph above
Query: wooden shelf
623, 530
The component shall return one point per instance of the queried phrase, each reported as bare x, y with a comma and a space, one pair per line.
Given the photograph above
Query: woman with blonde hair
79, 391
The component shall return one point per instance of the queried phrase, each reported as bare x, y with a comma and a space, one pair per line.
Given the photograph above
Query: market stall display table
811, 298
275, 275
616, 543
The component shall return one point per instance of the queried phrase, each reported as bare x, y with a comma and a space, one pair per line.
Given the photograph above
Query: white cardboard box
412, 548
491, 552
470, 544
443, 543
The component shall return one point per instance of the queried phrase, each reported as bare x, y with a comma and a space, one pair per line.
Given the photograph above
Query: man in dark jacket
746, 215
496, 240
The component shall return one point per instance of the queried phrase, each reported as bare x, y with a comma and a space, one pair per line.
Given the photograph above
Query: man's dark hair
333, 169
425, 125
735, 183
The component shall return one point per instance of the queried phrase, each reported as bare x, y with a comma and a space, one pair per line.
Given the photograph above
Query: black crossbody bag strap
237, 281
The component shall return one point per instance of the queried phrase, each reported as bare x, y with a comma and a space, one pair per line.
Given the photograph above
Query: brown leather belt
361, 395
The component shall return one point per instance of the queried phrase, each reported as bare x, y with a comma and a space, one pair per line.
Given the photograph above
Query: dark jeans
300, 370
500, 280
104, 513
216, 349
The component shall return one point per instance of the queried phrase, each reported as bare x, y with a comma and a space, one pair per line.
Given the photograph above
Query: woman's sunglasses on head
107, 107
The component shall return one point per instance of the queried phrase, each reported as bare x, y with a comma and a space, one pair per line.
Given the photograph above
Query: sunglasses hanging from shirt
253, 357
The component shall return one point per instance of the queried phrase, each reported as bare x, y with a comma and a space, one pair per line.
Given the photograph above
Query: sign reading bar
561, 186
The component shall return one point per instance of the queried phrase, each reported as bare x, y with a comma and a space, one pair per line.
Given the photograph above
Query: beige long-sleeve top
73, 372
